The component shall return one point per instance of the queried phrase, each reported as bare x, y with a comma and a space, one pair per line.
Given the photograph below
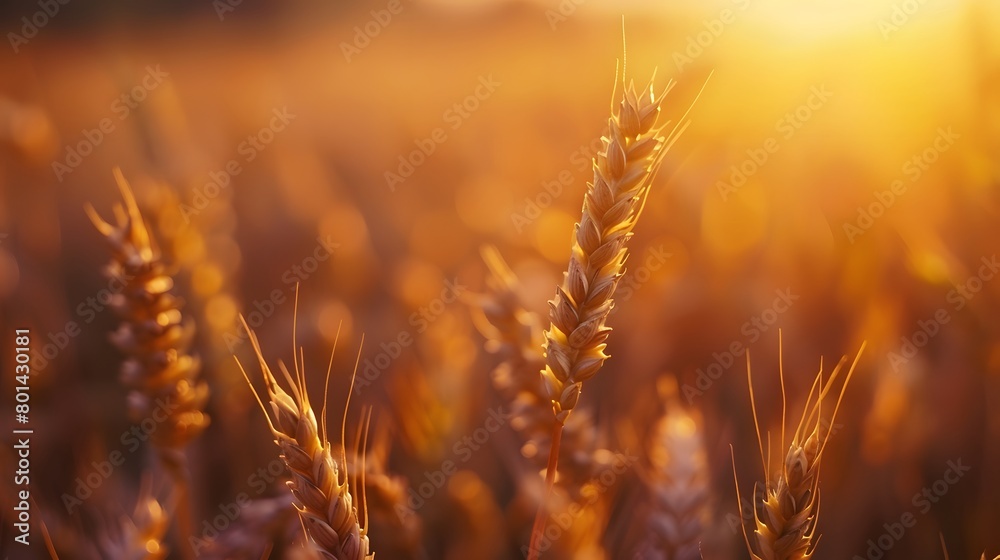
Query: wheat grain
785, 514
319, 484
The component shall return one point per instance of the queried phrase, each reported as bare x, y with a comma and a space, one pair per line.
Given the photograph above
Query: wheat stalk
785, 513
319, 483
160, 372
677, 483
575, 340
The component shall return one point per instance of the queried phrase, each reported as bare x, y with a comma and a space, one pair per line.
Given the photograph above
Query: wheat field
446, 279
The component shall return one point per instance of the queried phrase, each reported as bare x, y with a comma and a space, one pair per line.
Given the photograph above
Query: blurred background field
843, 154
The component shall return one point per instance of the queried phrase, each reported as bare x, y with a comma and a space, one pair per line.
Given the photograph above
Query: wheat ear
154, 335
160, 372
785, 514
623, 171
677, 482
319, 483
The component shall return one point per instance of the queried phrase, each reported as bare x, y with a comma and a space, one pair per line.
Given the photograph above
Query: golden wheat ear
575, 341
162, 375
677, 482
154, 334
319, 483
786, 512
633, 151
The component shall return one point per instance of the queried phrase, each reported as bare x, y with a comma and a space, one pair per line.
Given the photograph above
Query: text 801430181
22, 436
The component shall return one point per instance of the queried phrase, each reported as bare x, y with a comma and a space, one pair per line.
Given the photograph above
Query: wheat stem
538, 528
